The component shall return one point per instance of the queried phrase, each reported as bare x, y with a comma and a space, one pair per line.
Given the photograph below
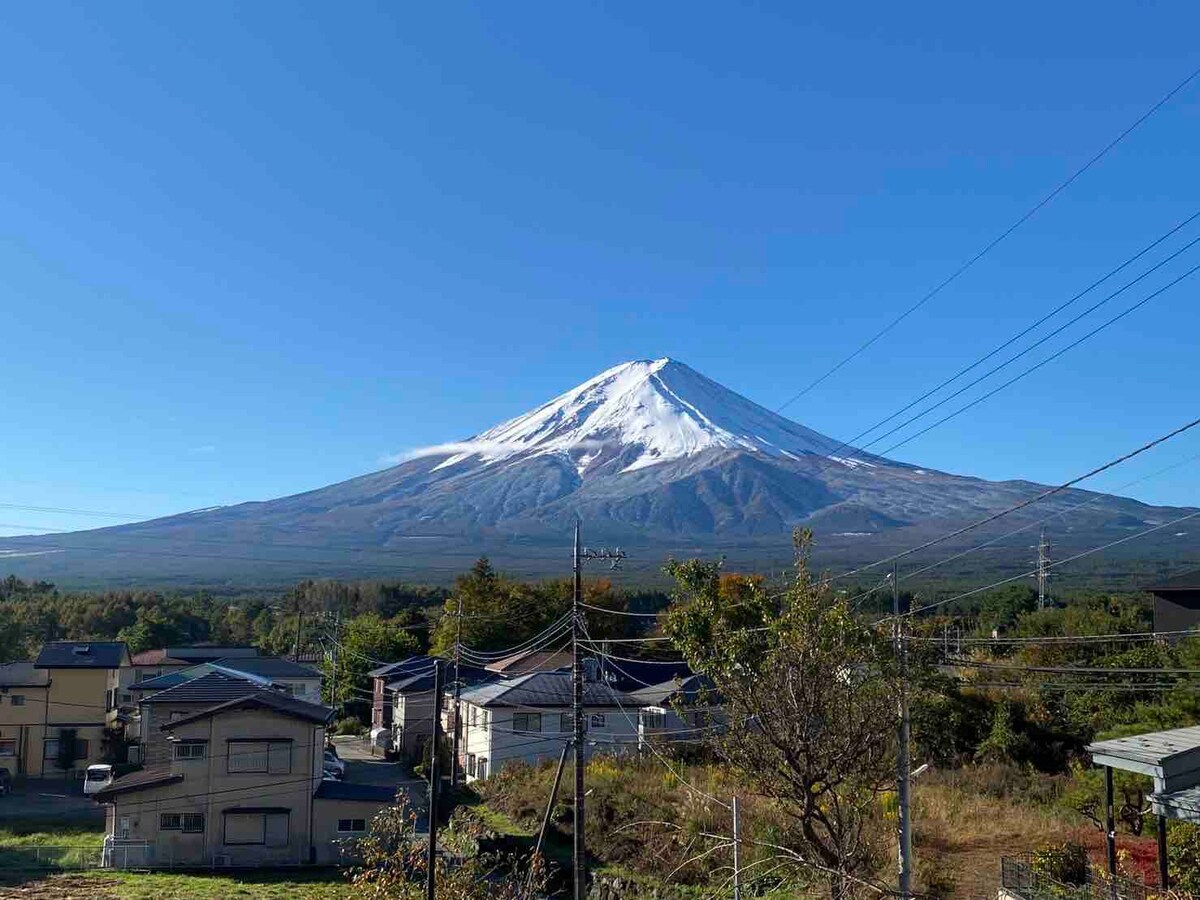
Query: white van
97, 778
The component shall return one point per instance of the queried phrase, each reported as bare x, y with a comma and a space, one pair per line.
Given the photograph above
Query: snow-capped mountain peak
661, 409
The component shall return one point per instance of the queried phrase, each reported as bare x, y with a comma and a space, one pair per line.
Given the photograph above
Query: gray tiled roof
81, 655
260, 699
553, 689
216, 687
402, 667
686, 690
23, 674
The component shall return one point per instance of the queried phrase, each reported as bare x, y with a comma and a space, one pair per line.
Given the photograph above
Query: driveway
49, 798
364, 768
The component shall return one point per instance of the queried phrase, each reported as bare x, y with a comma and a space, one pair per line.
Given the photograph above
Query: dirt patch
61, 887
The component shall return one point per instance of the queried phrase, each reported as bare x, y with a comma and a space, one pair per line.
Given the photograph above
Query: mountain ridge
649, 452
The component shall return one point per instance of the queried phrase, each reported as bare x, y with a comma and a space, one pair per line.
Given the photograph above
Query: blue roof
81, 655
553, 689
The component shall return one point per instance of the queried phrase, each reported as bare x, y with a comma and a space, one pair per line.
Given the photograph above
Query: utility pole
580, 847
457, 694
1043, 571
579, 555
900, 611
737, 857
435, 777
337, 637
537, 849
299, 625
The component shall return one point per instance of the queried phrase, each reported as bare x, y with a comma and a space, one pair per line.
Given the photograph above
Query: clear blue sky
254, 248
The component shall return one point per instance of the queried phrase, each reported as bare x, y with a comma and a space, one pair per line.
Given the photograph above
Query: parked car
5, 782
97, 778
333, 764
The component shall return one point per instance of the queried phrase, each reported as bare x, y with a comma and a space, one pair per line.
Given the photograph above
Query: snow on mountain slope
662, 408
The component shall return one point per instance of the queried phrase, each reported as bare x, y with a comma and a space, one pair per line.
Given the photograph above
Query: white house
679, 709
528, 719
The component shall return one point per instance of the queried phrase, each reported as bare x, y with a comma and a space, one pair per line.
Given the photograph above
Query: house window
483, 718
123, 827
471, 764
193, 823
566, 723
50, 748
8, 747
472, 716
652, 721
18, 699
352, 826
531, 722
169, 822
598, 720
273, 757
190, 749
481, 771
269, 829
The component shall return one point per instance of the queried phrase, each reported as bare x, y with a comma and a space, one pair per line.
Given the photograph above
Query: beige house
240, 785
53, 711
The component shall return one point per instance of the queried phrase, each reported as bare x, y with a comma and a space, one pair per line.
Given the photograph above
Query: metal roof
137, 781
341, 790
552, 689
82, 655
23, 674
531, 659
468, 675
397, 668
1188, 581
1184, 804
269, 700
267, 667
1172, 757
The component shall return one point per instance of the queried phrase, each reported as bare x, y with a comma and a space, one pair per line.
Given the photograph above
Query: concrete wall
332, 846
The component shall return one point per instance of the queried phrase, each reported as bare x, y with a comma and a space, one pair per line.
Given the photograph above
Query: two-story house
382, 699
23, 693
529, 719
413, 704
64, 732
677, 710
240, 784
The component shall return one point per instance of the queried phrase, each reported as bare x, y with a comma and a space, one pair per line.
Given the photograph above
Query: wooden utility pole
904, 835
457, 693
580, 846
435, 777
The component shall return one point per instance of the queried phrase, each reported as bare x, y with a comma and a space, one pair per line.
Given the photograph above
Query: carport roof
137, 781
1171, 757
340, 790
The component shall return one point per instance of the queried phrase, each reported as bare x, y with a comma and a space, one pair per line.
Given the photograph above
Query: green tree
366, 642
811, 698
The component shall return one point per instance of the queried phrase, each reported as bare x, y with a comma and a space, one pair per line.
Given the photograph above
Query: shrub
1067, 863
348, 725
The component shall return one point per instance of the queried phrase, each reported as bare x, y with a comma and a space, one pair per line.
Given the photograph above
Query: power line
1025, 503
987, 248
851, 443
1048, 359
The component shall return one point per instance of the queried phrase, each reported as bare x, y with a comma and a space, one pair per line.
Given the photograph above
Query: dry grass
967, 820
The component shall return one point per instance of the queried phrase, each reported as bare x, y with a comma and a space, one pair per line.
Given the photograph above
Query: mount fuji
649, 454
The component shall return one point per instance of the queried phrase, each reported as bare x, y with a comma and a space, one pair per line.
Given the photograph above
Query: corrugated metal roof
81, 655
1152, 748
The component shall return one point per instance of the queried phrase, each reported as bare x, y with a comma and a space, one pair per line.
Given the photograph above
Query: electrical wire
987, 248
